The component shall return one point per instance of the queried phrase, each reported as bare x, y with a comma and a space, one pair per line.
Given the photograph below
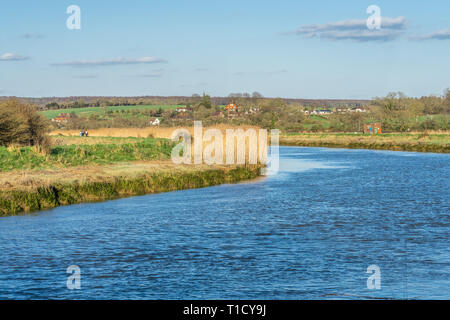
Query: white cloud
259, 73
438, 35
148, 75
355, 29
86, 76
12, 57
32, 36
110, 62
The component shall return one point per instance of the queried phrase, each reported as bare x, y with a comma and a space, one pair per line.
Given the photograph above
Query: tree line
21, 124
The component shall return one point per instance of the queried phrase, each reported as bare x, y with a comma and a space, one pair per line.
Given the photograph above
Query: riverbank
435, 141
79, 169
417, 142
28, 191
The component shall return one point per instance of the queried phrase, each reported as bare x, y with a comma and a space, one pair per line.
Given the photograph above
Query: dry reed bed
155, 132
134, 135
422, 142
32, 191
33, 179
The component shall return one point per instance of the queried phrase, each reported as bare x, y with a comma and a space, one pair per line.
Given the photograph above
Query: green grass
26, 158
17, 201
321, 121
102, 111
414, 135
420, 142
437, 117
99, 168
324, 122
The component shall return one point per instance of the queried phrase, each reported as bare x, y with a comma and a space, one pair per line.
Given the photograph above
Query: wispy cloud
355, 29
12, 57
32, 36
201, 69
148, 75
86, 76
259, 73
110, 62
438, 35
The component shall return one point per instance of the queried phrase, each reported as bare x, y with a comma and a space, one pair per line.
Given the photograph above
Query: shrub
430, 124
20, 123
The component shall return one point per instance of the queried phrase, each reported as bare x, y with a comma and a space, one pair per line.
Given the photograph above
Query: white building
321, 112
156, 122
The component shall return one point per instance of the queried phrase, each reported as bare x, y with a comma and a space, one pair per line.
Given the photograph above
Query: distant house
322, 112
232, 107
183, 115
183, 112
183, 109
342, 110
155, 122
61, 118
357, 110
233, 110
372, 128
253, 110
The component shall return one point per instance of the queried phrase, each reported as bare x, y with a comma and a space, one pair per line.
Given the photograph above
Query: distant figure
81, 133
86, 133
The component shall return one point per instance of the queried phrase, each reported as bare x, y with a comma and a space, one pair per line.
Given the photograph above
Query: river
308, 232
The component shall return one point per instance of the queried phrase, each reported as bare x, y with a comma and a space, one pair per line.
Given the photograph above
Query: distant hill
97, 101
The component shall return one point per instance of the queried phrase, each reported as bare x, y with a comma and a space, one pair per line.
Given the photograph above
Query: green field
69, 155
322, 121
101, 111
100, 168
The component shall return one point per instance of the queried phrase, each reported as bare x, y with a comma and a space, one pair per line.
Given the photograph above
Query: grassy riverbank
76, 151
99, 168
44, 189
434, 141
419, 142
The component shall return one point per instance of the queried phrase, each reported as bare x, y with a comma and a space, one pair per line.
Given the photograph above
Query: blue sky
292, 49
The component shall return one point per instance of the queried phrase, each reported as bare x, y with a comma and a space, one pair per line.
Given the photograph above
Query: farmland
105, 111
70, 152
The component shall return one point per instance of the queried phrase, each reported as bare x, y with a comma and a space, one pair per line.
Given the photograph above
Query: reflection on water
300, 165
309, 232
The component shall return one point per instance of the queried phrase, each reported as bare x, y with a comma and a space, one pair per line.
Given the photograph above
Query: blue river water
308, 232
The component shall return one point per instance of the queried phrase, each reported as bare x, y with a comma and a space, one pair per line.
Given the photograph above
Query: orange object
231, 106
